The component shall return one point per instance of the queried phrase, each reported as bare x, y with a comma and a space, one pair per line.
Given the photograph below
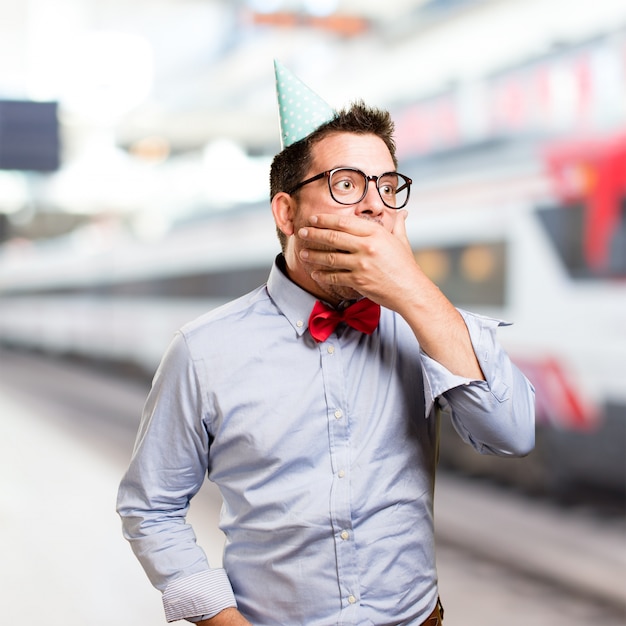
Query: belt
436, 617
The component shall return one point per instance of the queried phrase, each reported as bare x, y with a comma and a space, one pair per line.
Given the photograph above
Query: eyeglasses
348, 185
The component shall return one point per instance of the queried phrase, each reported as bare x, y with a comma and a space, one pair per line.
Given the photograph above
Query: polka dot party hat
300, 110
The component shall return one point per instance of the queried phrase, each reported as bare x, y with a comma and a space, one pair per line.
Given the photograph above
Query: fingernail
304, 254
303, 232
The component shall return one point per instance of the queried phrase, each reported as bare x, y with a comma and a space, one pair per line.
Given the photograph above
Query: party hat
300, 109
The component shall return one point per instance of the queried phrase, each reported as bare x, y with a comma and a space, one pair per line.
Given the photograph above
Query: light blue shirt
325, 456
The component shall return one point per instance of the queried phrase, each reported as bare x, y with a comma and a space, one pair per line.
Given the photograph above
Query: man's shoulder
223, 316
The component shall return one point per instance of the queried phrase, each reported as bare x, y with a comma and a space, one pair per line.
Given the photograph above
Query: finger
334, 278
344, 223
334, 260
328, 238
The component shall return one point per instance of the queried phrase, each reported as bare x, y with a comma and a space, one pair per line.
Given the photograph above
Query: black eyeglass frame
328, 174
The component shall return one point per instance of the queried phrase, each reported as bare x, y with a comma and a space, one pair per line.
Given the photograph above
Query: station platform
63, 563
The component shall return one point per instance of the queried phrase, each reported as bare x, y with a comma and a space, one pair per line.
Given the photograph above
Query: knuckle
359, 281
364, 266
342, 222
371, 249
333, 237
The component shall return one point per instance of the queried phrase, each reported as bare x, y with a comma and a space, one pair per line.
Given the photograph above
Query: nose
372, 204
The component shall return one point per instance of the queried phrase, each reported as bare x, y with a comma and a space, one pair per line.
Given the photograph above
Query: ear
283, 209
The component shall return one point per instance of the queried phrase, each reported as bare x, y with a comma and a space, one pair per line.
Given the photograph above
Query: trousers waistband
436, 617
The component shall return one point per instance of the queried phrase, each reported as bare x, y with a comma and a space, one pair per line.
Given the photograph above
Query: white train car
537, 236
492, 228
104, 294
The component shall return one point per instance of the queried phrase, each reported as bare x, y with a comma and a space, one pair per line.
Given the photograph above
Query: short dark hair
291, 164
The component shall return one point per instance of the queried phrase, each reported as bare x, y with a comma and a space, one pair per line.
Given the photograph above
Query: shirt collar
292, 301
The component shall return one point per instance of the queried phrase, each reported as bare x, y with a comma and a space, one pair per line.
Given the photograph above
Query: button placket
340, 501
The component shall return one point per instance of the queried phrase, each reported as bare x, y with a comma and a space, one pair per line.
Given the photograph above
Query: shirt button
338, 414
299, 323
341, 473
345, 535
330, 349
351, 599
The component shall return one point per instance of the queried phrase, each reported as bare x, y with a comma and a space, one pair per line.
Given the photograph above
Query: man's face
369, 154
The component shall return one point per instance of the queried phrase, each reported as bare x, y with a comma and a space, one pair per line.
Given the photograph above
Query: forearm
494, 423
442, 332
496, 416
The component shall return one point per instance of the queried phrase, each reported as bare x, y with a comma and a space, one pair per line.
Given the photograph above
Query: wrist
228, 617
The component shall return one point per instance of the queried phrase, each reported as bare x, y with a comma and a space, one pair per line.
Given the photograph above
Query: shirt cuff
438, 379
203, 594
492, 359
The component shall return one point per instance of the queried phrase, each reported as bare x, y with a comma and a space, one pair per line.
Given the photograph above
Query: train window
434, 263
471, 275
478, 263
225, 284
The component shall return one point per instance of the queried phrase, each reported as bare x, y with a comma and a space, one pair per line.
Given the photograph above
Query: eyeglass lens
350, 186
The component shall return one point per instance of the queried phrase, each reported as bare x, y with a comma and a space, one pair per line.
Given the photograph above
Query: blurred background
135, 144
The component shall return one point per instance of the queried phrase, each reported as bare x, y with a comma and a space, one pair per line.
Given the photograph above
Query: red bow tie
362, 315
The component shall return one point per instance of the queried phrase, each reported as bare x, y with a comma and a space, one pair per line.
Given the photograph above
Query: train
524, 231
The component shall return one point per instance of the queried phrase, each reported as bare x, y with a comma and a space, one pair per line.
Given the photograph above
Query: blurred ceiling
193, 71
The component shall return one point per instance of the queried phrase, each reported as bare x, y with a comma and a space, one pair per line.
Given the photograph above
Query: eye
343, 181
346, 182
388, 185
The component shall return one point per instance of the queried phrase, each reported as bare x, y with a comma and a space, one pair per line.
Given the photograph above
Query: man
321, 434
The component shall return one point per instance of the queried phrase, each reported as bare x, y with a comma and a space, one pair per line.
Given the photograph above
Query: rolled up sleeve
200, 595
495, 415
167, 469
